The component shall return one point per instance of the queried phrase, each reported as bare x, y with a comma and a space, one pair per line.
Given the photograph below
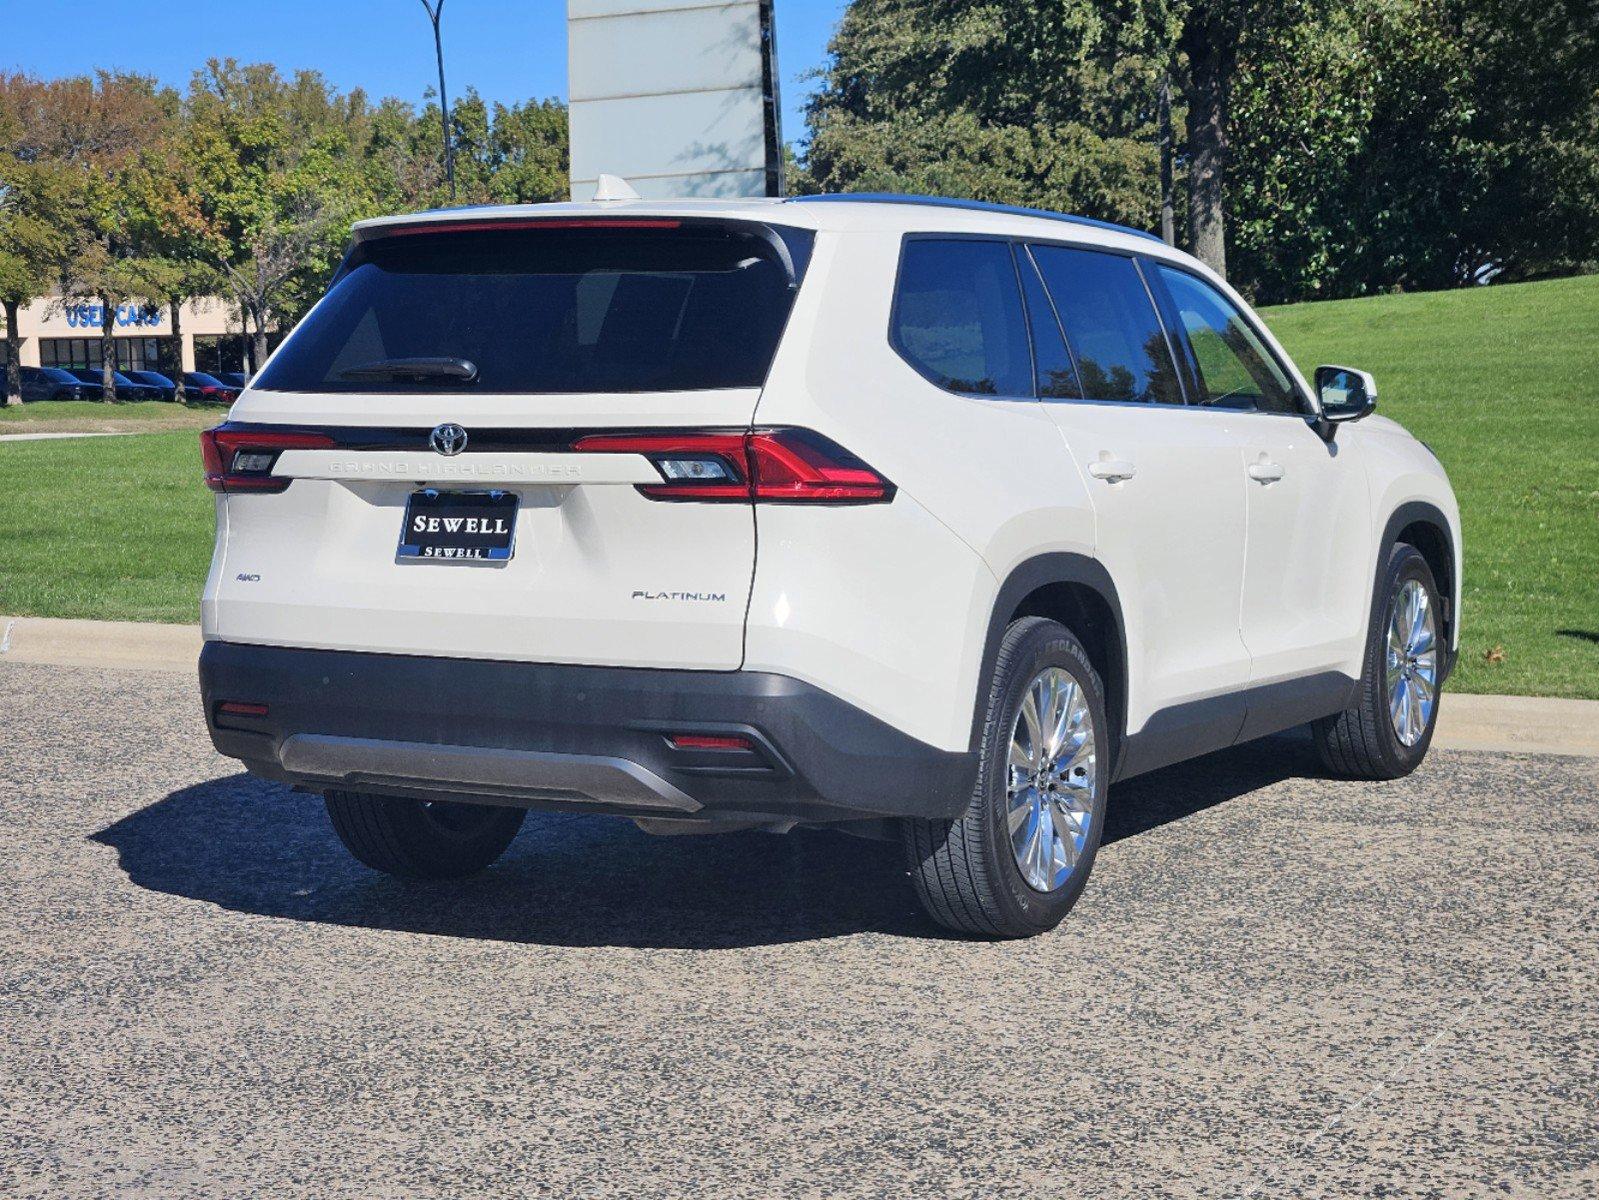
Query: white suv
921, 518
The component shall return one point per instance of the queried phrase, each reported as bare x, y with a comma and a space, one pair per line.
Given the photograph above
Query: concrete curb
1528, 724
137, 644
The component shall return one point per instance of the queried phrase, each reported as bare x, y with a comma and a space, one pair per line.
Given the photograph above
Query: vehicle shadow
257, 847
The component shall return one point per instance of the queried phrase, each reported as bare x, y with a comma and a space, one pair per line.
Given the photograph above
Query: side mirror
1346, 395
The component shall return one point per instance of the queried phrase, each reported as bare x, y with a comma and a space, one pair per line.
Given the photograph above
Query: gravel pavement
1276, 985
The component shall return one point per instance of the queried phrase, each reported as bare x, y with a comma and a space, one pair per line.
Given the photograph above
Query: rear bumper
571, 737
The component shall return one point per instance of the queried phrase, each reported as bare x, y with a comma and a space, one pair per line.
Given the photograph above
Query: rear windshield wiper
415, 370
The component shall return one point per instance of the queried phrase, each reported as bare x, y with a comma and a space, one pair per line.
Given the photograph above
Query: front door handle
1266, 472
1112, 470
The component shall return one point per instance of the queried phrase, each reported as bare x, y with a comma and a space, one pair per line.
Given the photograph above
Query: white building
57, 332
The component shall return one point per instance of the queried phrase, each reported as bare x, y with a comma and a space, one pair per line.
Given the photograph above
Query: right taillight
241, 460
775, 466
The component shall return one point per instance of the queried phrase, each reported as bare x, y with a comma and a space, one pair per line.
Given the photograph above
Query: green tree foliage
1338, 146
29, 249
283, 167
1019, 102
72, 146
118, 190
515, 155
1431, 145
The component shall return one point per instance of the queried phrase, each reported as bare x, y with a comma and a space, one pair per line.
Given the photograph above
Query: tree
278, 172
1050, 104
248, 185
168, 223
29, 254
515, 155
1415, 144
80, 138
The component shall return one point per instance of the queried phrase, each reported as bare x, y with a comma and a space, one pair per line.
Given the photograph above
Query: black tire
1361, 742
965, 872
422, 839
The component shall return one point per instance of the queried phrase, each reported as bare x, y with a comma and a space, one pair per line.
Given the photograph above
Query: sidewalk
53, 435
1529, 724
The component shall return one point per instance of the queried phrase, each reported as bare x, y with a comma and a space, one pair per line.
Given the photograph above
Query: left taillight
241, 460
774, 466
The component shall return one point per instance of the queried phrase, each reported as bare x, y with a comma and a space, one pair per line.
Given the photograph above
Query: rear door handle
1266, 472
1112, 470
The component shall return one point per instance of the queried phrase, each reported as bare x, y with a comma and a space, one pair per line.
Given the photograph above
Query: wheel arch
1077, 591
1424, 526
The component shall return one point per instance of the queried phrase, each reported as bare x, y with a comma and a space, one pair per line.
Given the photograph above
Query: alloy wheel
1050, 779
1411, 667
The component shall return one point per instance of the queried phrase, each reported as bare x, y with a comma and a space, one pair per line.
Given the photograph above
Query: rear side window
1110, 322
958, 317
544, 311
1234, 367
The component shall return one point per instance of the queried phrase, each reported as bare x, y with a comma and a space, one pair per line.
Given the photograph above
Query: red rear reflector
241, 708
241, 460
772, 465
706, 741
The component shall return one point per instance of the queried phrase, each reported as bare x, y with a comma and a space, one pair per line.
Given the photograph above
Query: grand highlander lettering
496, 468
956, 515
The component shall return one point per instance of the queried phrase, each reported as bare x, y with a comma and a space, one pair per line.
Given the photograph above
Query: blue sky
509, 49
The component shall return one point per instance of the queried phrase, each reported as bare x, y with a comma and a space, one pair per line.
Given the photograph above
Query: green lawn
117, 528
1503, 382
94, 416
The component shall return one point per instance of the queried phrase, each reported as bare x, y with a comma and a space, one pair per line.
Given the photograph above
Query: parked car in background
127, 389
167, 389
237, 379
209, 387
52, 383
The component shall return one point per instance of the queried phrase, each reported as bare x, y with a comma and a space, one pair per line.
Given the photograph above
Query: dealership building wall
59, 332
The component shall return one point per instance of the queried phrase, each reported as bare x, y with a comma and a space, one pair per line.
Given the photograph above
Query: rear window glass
541, 311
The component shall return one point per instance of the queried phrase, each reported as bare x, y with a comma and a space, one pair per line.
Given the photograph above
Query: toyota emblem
448, 439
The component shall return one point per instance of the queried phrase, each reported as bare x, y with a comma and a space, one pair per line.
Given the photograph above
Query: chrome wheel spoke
1028, 731
1023, 808
1419, 614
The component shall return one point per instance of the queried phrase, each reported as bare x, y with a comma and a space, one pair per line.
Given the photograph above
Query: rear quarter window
547, 311
958, 317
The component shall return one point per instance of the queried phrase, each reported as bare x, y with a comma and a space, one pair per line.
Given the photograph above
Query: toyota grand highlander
919, 519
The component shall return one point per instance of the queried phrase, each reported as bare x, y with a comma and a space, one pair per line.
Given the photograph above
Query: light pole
435, 10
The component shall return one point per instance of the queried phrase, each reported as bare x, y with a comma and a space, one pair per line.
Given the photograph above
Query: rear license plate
459, 526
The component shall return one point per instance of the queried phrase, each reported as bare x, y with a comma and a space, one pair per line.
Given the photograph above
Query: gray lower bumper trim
513, 774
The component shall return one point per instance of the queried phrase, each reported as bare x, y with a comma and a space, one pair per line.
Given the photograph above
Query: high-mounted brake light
782, 466
428, 227
241, 460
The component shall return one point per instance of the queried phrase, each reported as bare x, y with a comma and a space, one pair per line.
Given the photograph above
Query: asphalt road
1276, 985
